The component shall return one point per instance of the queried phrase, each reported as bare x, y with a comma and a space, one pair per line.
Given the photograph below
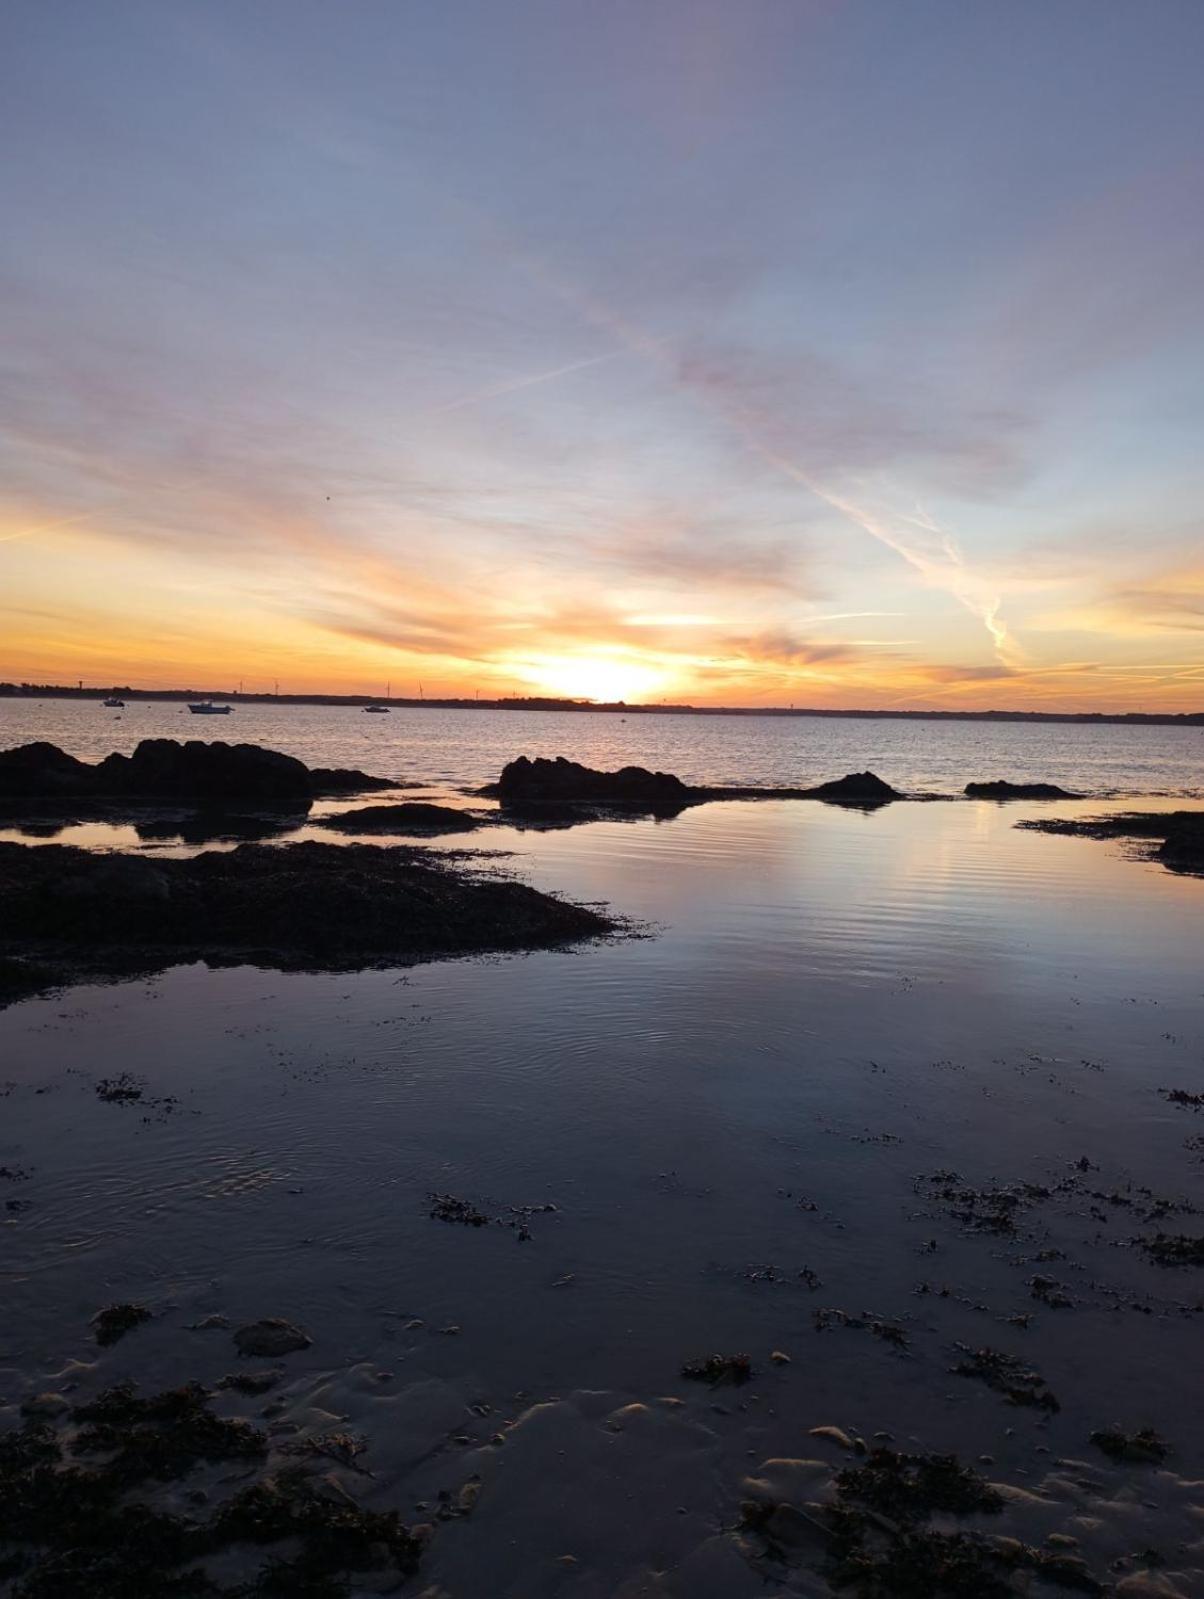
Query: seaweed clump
1142, 1448
1171, 1249
71, 1528
114, 1321
1007, 1375
879, 1543
717, 1369
906, 1486
162, 1437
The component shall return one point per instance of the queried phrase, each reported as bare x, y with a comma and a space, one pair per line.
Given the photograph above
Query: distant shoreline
45, 691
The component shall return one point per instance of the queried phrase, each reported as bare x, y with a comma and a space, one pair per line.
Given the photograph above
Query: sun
603, 679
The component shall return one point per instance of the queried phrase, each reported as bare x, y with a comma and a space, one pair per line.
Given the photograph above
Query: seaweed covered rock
855, 788
1177, 837
527, 782
41, 770
411, 817
164, 768
1001, 789
192, 772
326, 907
331, 781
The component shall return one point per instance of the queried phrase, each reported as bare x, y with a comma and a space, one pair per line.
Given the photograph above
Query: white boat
113, 704
207, 708
377, 710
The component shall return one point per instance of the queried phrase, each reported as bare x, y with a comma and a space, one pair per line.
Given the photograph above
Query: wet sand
884, 1092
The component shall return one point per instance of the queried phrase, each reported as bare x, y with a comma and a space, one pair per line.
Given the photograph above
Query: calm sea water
828, 1007
470, 747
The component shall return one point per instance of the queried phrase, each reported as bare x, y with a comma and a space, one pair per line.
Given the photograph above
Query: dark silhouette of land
550, 703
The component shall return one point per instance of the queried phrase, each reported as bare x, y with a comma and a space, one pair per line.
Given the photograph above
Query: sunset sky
733, 351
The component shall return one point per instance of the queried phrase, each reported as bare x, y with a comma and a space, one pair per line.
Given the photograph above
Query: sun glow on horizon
602, 678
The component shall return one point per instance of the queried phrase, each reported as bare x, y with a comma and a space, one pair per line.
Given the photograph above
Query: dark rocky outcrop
413, 817
525, 783
164, 768
330, 781
193, 772
857, 788
565, 791
1176, 837
43, 771
1001, 789
70, 915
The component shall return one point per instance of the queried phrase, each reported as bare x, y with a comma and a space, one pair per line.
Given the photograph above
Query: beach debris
1169, 1249
466, 1213
1142, 1448
889, 1331
990, 1210
114, 1321
1183, 1096
97, 1528
876, 1539
251, 1383
905, 1486
719, 1369
1006, 1374
161, 1437
1050, 1292
123, 1089
270, 1338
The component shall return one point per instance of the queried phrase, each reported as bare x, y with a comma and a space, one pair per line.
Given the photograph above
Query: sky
749, 352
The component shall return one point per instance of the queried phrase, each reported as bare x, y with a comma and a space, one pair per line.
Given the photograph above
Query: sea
869, 1091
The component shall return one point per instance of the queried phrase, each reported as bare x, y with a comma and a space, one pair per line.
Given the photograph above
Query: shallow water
826, 1008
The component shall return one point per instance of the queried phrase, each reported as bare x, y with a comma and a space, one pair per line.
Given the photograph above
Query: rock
41, 770
856, 788
270, 1338
333, 780
194, 772
326, 906
525, 783
1001, 789
166, 768
112, 1323
407, 818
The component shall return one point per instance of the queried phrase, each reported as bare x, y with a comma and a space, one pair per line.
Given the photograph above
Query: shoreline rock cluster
566, 790
165, 769
1176, 838
72, 915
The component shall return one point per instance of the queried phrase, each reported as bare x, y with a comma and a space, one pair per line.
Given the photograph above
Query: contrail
524, 383
45, 527
951, 574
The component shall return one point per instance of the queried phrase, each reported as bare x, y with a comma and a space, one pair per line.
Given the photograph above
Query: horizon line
14, 690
